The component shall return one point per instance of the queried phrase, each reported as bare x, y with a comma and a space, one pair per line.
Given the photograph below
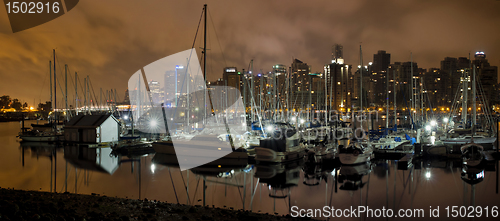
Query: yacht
356, 152
282, 145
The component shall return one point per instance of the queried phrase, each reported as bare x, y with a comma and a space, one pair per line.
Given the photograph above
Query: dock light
153, 123
270, 128
445, 120
428, 128
302, 121
294, 119
428, 175
153, 168
125, 117
433, 123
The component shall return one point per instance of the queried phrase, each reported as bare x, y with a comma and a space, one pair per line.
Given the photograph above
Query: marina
250, 111
409, 182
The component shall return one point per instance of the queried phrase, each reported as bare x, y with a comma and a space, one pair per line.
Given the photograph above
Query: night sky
110, 40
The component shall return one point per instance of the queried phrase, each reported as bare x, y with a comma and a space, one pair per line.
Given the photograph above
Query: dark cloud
110, 40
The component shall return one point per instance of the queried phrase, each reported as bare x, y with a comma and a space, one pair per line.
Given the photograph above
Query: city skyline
110, 41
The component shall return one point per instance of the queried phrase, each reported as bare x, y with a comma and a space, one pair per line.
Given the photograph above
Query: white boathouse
103, 128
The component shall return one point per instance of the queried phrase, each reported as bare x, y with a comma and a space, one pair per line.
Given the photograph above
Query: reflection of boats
315, 173
472, 154
40, 148
283, 145
321, 152
97, 159
356, 152
200, 149
279, 177
472, 175
351, 176
222, 163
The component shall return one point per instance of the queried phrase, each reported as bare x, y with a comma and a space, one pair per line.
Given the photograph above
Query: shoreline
34, 205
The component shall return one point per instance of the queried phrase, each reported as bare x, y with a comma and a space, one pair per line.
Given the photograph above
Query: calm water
265, 189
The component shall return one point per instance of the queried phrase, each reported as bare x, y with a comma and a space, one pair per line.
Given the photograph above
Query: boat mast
474, 100
464, 98
252, 91
76, 93
205, 62
66, 90
412, 99
85, 95
326, 99
55, 91
394, 87
50, 87
387, 101
361, 83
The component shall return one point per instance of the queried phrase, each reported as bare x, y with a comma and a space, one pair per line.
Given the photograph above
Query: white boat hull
271, 156
51, 138
349, 158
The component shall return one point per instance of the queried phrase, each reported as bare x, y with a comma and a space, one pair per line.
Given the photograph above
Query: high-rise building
451, 69
381, 61
232, 77
338, 86
402, 72
488, 77
300, 83
435, 87
154, 89
337, 54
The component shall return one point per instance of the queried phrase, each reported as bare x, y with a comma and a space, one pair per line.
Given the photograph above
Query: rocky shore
32, 205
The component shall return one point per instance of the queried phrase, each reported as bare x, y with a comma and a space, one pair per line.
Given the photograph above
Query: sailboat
219, 136
282, 145
51, 131
472, 153
356, 151
470, 137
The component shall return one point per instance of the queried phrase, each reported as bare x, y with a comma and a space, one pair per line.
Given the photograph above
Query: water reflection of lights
428, 174
153, 167
334, 171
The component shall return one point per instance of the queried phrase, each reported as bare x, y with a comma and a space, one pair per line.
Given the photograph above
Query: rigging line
81, 89
185, 187
454, 104
454, 180
95, 97
430, 104
198, 28
175, 192
217, 37
196, 189
43, 85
